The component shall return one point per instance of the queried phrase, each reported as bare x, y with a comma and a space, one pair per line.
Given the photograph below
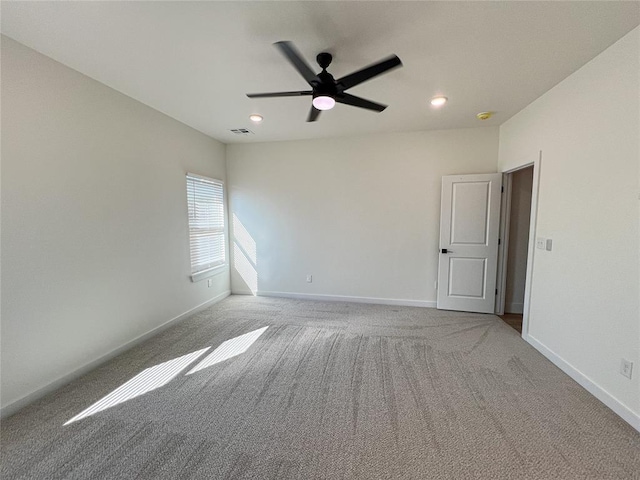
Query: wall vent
241, 131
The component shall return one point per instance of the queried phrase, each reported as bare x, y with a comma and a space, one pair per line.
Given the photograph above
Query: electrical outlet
541, 243
309, 278
210, 283
626, 367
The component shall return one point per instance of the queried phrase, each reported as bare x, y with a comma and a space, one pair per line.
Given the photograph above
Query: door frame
503, 250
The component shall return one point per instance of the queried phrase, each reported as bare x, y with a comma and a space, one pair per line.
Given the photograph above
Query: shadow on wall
244, 255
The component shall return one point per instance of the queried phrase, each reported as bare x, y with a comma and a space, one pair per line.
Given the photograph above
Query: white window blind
205, 197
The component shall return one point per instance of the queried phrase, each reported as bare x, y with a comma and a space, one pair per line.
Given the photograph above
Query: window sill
196, 277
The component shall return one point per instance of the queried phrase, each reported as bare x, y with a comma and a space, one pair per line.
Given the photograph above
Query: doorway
515, 231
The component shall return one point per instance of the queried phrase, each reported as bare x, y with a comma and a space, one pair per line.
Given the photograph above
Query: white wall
585, 304
94, 224
521, 183
359, 214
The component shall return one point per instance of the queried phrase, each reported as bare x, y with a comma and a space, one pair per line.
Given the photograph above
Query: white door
469, 226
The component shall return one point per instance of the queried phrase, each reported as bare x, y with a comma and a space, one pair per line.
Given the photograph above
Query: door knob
444, 250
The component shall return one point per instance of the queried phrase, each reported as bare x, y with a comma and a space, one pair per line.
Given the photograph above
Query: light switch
549, 244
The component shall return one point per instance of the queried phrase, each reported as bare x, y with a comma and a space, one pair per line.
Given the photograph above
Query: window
205, 197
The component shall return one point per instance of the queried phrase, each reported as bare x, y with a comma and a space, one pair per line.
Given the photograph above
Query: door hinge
496, 291
502, 189
499, 241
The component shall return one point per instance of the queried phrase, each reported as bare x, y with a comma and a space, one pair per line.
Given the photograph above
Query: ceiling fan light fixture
255, 118
324, 102
439, 101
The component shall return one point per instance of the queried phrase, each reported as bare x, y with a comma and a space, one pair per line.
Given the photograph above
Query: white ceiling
195, 61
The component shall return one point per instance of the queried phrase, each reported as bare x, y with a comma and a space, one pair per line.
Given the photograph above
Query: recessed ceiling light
438, 101
255, 118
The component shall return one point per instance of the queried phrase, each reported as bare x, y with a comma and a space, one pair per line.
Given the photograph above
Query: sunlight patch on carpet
228, 349
146, 381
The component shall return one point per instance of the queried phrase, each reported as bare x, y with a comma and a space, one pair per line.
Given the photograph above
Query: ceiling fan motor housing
326, 85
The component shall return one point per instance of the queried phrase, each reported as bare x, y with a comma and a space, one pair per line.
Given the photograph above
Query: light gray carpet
329, 390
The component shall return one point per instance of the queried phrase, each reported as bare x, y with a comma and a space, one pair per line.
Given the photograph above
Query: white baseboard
242, 292
514, 308
344, 298
593, 388
22, 402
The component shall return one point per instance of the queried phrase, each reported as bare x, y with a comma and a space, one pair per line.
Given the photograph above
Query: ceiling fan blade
280, 94
292, 54
369, 72
314, 113
360, 102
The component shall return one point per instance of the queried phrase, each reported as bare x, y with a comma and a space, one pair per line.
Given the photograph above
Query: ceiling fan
325, 90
